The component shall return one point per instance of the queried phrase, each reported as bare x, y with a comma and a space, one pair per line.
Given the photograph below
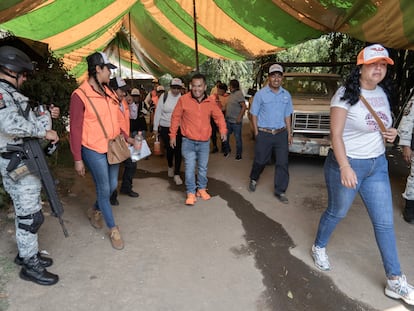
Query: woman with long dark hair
361, 124
88, 143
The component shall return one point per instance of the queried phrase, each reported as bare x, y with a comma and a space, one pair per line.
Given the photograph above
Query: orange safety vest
108, 109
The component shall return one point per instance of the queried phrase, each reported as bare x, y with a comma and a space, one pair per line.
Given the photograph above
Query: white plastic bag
145, 152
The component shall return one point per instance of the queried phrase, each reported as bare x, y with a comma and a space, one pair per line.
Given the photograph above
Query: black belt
272, 131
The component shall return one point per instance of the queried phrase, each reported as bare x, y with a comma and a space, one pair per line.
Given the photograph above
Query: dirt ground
238, 251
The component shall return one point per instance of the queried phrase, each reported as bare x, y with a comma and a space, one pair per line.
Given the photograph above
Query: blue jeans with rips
105, 176
375, 190
195, 153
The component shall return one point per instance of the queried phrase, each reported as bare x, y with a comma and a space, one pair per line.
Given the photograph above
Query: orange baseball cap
372, 54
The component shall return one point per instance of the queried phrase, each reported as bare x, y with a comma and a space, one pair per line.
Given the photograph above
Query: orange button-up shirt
193, 117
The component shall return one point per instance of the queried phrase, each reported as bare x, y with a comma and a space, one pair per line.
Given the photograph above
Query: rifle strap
96, 112
373, 113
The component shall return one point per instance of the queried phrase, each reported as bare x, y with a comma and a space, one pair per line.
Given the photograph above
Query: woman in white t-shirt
162, 122
357, 164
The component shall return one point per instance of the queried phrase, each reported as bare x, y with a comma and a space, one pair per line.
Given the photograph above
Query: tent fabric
157, 36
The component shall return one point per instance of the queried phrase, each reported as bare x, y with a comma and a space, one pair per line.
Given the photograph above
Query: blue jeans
195, 152
374, 188
105, 177
236, 129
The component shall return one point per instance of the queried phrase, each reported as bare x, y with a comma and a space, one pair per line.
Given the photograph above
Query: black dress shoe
44, 261
33, 271
408, 215
131, 193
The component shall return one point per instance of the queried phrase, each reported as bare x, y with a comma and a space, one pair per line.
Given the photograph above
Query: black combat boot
33, 271
408, 212
44, 261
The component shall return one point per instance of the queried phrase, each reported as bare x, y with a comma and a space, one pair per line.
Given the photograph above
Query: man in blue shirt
271, 113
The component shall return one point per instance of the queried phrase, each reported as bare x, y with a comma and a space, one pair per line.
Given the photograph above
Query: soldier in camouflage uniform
24, 189
405, 131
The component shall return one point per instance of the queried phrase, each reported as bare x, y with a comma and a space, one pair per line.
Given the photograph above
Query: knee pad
37, 220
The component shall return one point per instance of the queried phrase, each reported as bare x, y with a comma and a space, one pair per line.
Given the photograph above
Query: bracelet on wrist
343, 166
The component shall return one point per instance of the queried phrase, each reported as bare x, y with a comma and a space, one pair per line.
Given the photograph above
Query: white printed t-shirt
362, 136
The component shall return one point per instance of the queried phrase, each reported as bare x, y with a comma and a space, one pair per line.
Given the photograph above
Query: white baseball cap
275, 68
372, 54
176, 82
135, 91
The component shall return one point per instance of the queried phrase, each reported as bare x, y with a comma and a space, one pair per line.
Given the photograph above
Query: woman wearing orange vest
88, 142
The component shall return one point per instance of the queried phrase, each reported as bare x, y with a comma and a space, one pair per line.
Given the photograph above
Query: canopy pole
130, 48
195, 36
119, 55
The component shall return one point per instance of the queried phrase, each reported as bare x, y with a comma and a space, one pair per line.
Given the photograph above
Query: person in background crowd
405, 131
357, 163
235, 109
24, 191
152, 95
214, 128
88, 143
153, 104
223, 96
183, 89
215, 87
192, 113
138, 111
271, 113
162, 122
120, 87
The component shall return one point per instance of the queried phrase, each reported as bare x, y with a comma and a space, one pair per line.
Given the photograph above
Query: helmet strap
7, 73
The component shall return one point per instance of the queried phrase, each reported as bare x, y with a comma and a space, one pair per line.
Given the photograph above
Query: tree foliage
226, 70
51, 84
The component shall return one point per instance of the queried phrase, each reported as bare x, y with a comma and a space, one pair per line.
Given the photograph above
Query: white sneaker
320, 258
177, 180
170, 172
400, 289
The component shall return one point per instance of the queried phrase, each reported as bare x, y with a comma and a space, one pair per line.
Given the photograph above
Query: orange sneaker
191, 199
202, 193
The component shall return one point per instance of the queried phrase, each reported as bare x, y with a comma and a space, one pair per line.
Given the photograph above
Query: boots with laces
116, 239
95, 218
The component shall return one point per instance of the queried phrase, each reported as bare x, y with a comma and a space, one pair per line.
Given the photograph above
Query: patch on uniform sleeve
2, 103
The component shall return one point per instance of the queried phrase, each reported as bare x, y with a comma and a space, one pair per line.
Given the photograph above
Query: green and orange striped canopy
157, 36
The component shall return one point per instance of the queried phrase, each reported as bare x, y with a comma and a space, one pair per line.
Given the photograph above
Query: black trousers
173, 155
129, 172
266, 144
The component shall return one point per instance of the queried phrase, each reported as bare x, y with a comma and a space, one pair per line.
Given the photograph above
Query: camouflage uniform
405, 131
25, 192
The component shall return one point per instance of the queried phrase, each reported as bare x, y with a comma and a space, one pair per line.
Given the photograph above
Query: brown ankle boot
95, 218
116, 239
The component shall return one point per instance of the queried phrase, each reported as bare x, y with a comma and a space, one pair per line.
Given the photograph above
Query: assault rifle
34, 157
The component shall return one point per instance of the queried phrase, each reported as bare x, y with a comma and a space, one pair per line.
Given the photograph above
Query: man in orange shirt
192, 113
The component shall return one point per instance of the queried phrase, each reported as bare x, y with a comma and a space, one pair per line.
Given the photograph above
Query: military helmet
15, 60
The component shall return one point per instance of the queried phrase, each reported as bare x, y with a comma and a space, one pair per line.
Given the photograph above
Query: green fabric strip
173, 11
161, 38
268, 22
54, 18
